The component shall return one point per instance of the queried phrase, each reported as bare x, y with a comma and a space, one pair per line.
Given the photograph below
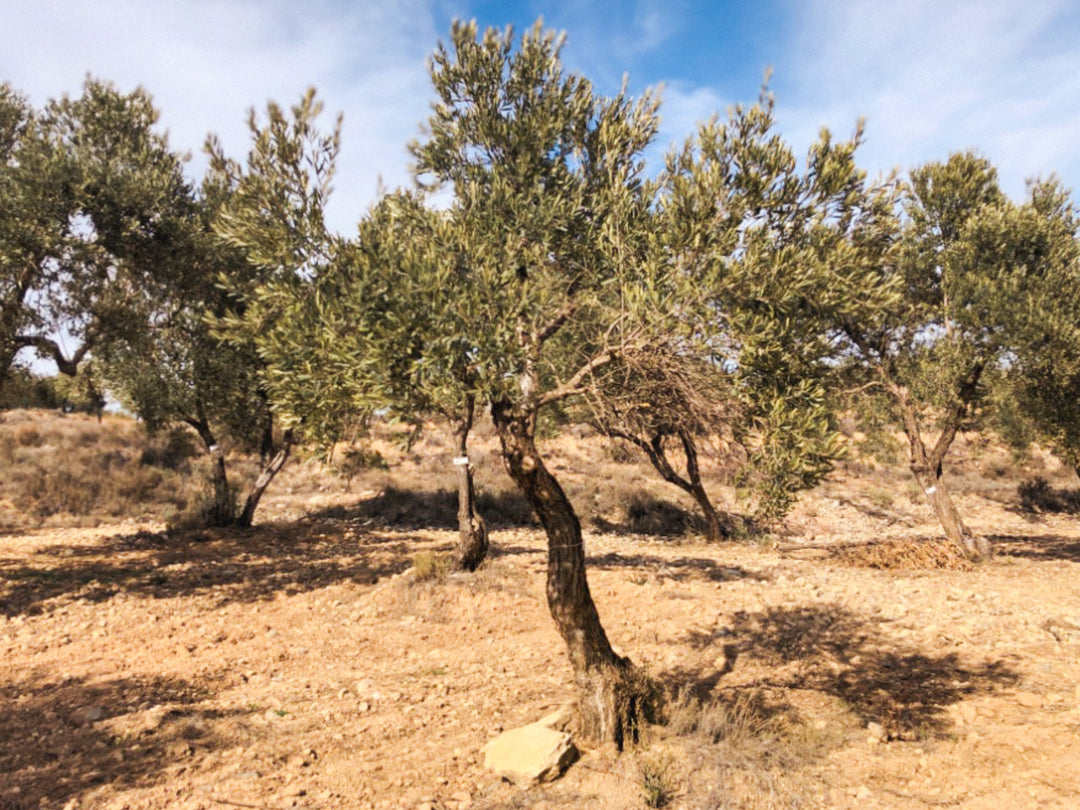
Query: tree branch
573, 386
50, 348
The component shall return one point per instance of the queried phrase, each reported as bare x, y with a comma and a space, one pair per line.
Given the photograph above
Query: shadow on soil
677, 569
435, 509
831, 650
1042, 547
63, 739
232, 565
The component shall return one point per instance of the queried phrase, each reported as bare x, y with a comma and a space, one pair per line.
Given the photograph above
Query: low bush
1037, 495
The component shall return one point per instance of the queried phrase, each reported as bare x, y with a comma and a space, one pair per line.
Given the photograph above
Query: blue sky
999, 76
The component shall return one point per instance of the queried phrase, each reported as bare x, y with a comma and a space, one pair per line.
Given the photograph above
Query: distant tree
1041, 379
763, 259
88, 189
964, 255
194, 357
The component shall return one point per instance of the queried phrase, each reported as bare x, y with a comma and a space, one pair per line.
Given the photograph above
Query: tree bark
224, 507
472, 545
269, 470
927, 467
614, 696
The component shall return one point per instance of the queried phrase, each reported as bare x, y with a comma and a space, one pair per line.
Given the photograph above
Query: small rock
91, 714
863, 792
1029, 700
560, 719
530, 754
877, 731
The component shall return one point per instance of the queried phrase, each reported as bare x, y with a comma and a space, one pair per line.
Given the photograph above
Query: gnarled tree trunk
614, 696
472, 545
927, 466
716, 528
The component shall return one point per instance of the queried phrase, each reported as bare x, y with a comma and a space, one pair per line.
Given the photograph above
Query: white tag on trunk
931, 491
461, 461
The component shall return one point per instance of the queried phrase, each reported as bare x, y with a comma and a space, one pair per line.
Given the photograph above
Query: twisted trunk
927, 467
472, 545
614, 696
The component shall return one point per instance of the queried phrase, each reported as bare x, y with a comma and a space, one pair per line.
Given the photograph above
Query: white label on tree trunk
461, 461
931, 491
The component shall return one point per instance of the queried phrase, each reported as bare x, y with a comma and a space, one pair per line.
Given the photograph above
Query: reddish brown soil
300, 664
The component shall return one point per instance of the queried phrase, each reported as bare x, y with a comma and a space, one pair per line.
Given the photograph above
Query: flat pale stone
530, 754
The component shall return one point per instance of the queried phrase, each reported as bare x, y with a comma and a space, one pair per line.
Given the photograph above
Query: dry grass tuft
753, 749
922, 553
429, 566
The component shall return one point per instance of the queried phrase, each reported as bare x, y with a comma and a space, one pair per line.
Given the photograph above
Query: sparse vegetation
743, 320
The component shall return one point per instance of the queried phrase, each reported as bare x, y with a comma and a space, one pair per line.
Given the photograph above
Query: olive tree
380, 329
89, 189
765, 253
964, 254
1042, 373
193, 356
549, 216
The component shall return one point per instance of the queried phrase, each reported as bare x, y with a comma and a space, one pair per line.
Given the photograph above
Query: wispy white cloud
207, 63
998, 76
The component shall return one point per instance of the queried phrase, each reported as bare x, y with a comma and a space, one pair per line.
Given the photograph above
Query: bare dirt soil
301, 664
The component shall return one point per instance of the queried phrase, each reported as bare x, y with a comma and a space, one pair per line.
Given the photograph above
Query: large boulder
530, 754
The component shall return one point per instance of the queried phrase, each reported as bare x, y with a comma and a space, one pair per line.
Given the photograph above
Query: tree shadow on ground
644, 513
64, 739
831, 650
434, 509
232, 565
1045, 547
676, 569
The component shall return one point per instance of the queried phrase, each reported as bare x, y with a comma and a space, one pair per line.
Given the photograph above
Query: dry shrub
1037, 495
172, 451
28, 435
7, 450
643, 513
658, 780
428, 566
210, 508
751, 747
920, 553
71, 470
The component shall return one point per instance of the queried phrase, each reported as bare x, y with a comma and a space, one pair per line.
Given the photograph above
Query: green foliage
24, 389
1042, 386
90, 192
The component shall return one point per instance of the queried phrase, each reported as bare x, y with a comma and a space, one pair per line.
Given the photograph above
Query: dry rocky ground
302, 664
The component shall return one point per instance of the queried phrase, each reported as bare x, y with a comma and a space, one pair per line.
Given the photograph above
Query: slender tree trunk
927, 467
269, 470
472, 546
224, 506
614, 696
717, 528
